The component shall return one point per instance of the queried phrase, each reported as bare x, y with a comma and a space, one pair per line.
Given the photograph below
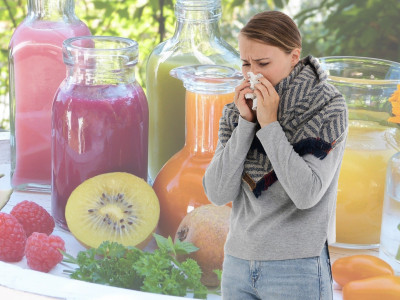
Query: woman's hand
267, 102
244, 105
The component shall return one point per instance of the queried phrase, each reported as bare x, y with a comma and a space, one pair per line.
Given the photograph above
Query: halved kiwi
118, 207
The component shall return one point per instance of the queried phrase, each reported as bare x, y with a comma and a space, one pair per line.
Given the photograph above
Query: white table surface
17, 281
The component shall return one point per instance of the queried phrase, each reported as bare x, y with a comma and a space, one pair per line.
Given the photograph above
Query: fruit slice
118, 207
4, 197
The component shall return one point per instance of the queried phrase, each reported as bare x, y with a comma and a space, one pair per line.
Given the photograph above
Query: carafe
179, 184
36, 70
197, 40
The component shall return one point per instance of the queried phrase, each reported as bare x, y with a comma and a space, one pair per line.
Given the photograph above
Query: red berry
42, 251
12, 238
33, 217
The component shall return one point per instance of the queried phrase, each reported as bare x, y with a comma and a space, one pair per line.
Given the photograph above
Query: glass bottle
389, 249
100, 116
197, 40
36, 71
179, 184
374, 136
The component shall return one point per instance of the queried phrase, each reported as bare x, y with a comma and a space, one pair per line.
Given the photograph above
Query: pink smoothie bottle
36, 71
100, 116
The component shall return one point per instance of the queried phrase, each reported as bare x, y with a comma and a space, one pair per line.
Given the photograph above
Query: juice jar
374, 136
389, 249
36, 71
197, 40
100, 116
179, 184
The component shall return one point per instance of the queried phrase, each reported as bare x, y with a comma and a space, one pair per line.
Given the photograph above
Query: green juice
166, 96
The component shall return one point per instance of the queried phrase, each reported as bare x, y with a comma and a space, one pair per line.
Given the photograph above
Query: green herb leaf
68, 258
219, 273
398, 254
184, 247
128, 267
164, 243
398, 227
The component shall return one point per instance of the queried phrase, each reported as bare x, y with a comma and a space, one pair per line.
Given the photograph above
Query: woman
279, 165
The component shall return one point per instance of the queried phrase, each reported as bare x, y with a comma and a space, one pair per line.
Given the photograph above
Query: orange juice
179, 184
362, 182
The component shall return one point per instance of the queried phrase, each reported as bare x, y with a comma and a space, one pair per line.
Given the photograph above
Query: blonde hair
273, 28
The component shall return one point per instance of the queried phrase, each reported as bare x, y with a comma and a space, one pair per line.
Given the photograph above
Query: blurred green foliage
329, 27
368, 28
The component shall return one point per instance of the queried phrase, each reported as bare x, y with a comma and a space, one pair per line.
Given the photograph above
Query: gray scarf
312, 114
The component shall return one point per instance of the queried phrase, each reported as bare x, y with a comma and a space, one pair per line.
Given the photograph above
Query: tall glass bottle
197, 40
179, 184
36, 70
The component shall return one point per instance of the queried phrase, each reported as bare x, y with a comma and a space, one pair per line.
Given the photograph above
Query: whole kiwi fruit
206, 227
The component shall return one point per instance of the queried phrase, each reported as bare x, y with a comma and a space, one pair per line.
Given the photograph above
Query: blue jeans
293, 279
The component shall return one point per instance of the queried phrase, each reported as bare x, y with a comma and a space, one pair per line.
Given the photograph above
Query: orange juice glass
367, 85
179, 185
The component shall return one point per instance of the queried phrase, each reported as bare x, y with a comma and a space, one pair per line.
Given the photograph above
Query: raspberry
42, 252
33, 217
12, 238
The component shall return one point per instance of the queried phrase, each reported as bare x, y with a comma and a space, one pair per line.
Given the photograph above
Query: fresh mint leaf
164, 243
184, 247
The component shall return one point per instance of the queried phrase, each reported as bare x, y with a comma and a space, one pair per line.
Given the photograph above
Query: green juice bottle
197, 40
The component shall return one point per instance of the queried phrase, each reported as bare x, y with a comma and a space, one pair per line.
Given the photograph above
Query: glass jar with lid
197, 40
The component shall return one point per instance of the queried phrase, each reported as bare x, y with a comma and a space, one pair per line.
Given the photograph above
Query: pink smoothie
38, 71
96, 129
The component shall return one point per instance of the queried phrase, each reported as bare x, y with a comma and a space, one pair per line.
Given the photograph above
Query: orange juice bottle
179, 185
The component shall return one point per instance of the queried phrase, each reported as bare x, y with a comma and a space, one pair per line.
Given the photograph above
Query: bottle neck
198, 31
193, 22
203, 112
51, 10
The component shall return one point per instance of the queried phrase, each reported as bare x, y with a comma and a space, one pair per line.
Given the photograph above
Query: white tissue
253, 79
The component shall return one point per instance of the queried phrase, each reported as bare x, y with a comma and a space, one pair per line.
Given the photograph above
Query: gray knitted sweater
295, 215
